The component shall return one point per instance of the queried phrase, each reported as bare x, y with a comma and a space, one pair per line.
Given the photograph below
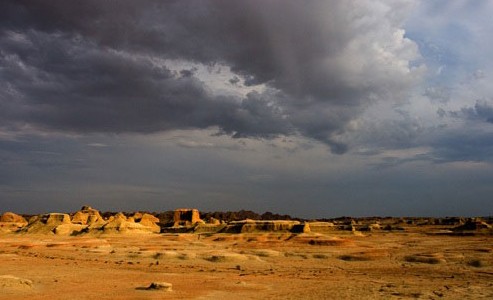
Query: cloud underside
104, 66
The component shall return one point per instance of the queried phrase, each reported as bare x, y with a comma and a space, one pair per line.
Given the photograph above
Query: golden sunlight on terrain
410, 261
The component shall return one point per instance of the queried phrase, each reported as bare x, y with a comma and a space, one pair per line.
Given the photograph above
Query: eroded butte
264, 260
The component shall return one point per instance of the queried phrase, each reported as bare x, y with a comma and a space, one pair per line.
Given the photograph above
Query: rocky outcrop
88, 216
209, 228
89, 220
370, 227
150, 222
322, 227
473, 224
121, 224
47, 223
186, 217
213, 221
10, 222
69, 229
249, 226
55, 219
10, 217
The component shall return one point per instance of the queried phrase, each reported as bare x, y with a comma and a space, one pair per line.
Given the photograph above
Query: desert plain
405, 260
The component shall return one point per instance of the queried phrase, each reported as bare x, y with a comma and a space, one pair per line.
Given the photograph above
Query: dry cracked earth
412, 264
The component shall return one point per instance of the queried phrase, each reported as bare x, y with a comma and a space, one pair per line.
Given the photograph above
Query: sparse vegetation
475, 263
422, 259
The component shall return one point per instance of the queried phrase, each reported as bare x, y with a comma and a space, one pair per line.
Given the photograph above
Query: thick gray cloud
101, 66
481, 111
176, 79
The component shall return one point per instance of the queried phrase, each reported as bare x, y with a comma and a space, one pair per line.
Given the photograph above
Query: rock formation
10, 217
121, 224
213, 221
69, 229
150, 221
322, 227
88, 216
10, 222
248, 226
186, 217
55, 219
48, 223
473, 224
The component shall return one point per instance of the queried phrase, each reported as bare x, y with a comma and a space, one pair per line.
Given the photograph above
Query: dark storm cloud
91, 66
481, 111
81, 87
463, 146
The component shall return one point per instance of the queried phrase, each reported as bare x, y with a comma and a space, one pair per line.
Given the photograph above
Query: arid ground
341, 265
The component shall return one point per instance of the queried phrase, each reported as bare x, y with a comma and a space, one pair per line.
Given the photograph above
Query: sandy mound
10, 217
425, 258
10, 222
365, 255
266, 253
321, 240
226, 257
12, 282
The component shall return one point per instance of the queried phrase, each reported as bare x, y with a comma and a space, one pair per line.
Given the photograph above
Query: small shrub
475, 263
422, 259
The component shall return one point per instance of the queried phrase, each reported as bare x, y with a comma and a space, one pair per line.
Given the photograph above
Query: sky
309, 108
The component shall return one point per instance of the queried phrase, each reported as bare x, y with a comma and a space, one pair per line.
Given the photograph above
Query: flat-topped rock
186, 217
57, 219
249, 225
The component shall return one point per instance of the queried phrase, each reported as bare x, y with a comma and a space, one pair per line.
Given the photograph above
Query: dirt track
378, 265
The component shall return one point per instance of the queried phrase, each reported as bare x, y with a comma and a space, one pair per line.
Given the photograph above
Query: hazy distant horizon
313, 109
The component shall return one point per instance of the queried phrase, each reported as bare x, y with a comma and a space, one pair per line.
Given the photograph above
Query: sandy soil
376, 265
